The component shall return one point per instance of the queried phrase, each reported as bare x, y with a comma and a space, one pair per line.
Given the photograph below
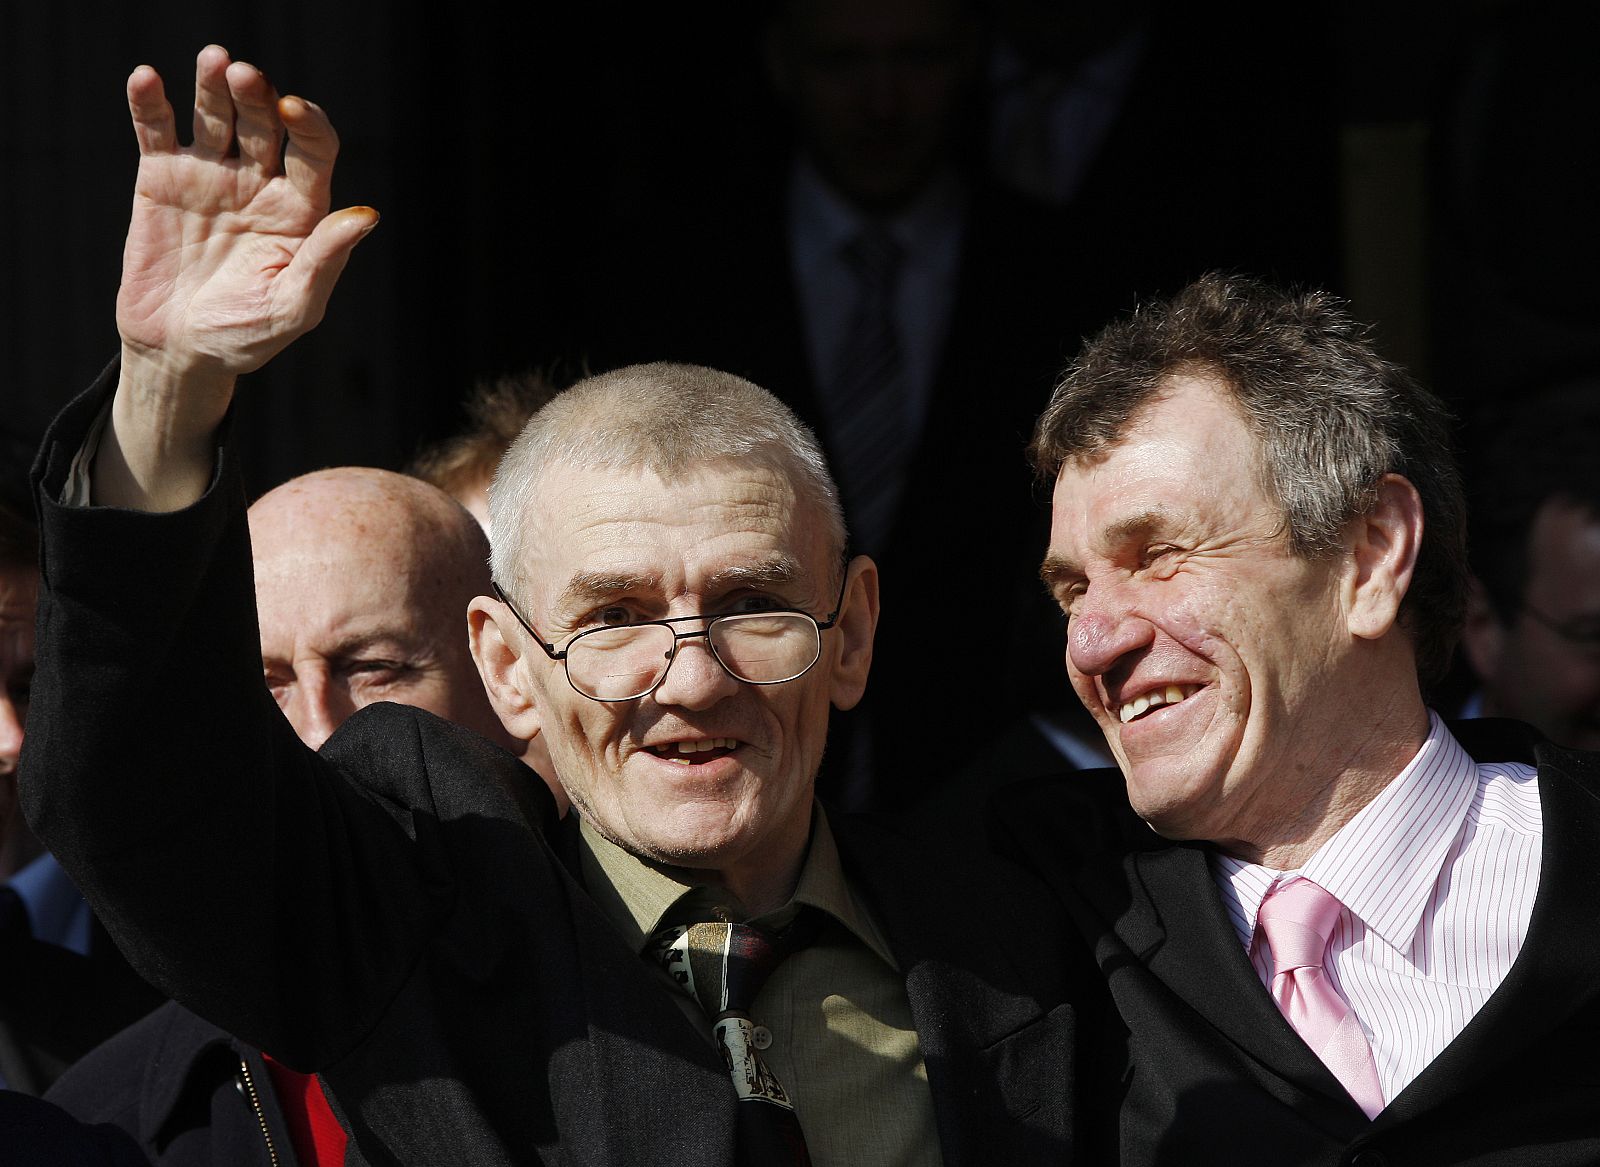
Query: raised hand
230, 256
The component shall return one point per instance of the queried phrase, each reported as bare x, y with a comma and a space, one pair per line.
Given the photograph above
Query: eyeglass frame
554, 654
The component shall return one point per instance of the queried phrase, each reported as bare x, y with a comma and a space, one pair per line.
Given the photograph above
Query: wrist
159, 451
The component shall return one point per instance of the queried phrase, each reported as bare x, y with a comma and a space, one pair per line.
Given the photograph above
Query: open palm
231, 253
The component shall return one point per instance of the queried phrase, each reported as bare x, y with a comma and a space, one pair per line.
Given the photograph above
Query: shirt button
761, 1037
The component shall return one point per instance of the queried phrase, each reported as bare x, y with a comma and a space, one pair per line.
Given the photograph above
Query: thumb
309, 279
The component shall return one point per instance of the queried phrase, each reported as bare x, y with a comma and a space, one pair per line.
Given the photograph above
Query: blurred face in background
1542, 663
876, 89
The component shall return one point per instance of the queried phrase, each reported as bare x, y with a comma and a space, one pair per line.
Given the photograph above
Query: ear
1483, 637
497, 641
1384, 544
857, 624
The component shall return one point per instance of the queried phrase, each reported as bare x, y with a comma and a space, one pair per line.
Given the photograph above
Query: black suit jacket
1217, 1075
395, 913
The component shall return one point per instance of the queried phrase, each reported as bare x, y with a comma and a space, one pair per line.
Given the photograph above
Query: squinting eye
376, 672
754, 603
615, 614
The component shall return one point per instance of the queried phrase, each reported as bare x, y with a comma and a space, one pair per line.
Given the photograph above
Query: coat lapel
999, 1066
1187, 941
1555, 974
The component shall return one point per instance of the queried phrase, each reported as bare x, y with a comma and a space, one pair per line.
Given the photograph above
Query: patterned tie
868, 393
723, 966
1297, 920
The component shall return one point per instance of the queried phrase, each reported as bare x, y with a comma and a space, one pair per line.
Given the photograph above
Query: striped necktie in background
868, 394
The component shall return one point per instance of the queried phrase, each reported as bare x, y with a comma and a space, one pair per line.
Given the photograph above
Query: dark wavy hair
1332, 417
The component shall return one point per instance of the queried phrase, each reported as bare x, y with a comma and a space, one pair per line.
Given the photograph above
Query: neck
1361, 768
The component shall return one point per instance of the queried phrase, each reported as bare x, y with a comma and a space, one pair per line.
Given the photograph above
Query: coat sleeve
258, 883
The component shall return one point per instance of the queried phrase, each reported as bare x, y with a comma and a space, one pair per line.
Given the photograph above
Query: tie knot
1297, 919
874, 256
723, 965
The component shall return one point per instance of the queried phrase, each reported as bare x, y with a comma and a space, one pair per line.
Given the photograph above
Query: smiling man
1335, 932
699, 966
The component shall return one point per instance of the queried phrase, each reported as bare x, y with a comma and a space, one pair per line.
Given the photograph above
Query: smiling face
706, 772
1214, 659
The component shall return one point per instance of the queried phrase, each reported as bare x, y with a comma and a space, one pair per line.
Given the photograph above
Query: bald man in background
362, 578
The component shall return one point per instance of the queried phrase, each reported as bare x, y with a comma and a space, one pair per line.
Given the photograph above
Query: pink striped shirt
1437, 875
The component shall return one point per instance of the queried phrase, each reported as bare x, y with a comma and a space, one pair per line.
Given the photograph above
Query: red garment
319, 1140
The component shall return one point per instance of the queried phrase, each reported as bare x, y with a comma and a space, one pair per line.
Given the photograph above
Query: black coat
395, 912
189, 1094
34, 1133
1218, 1076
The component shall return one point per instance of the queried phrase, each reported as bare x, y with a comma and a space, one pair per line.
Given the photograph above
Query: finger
152, 116
256, 124
313, 146
308, 281
213, 104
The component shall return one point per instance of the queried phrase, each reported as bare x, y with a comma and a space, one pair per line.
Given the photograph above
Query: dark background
1451, 149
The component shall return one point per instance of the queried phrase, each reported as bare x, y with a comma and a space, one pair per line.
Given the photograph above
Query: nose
319, 706
695, 678
1105, 629
10, 734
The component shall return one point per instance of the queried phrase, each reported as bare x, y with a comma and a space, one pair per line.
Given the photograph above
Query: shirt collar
827, 221
638, 896
1384, 863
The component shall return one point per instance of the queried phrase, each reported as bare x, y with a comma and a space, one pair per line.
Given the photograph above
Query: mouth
1160, 698
695, 752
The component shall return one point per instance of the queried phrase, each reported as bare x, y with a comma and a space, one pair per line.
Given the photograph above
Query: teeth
704, 745
1154, 699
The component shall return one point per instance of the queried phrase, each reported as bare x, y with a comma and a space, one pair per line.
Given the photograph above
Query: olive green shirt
843, 1043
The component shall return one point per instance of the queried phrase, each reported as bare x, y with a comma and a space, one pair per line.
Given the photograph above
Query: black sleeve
243, 874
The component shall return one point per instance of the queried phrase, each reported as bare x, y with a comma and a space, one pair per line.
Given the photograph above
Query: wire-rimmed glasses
623, 662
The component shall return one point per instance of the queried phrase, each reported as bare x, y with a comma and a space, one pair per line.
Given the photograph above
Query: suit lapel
641, 1072
1555, 974
1186, 940
999, 1078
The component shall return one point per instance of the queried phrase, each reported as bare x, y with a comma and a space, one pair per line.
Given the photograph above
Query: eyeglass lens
616, 664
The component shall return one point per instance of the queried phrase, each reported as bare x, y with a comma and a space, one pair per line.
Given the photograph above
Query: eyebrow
586, 587
1057, 568
780, 571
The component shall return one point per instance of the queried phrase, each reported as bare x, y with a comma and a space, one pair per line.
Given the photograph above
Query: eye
377, 671
1067, 596
753, 602
611, 615
1160, 560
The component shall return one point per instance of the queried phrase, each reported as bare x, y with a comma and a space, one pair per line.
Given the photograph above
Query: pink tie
1297, 919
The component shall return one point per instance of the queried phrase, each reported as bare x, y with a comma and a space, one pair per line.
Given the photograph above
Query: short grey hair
1331, 416
668, 418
